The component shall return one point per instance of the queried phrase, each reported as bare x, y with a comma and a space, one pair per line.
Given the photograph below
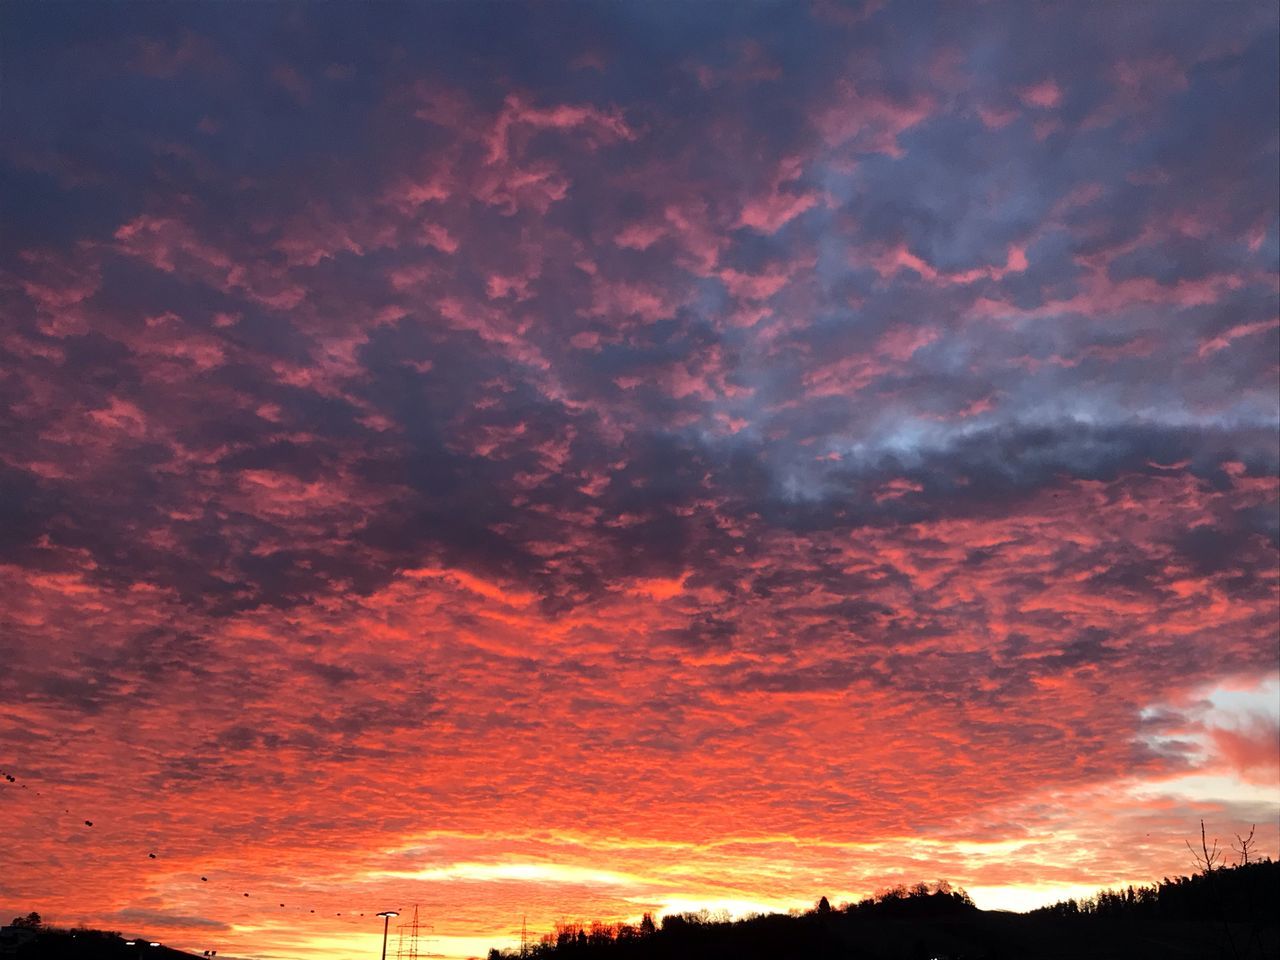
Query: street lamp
386, 916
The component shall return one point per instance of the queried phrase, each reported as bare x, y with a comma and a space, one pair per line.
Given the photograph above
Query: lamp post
386, 916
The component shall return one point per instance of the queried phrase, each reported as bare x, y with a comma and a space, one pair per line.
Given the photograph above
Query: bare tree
1243, 845
1207, 859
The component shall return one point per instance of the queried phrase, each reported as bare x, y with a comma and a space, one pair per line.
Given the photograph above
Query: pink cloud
594, 125
1241, 330
1044, 95
755, 286
867, 121
889, 262
775, 209
170, 245
59, 287
996, 118
896, 489
640, 236
536, 186
1250, 750
620, 299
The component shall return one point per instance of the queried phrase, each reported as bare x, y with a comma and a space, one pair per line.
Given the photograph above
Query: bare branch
1243, 845
1207, 859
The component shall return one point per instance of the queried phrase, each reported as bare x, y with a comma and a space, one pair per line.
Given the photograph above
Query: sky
568, 460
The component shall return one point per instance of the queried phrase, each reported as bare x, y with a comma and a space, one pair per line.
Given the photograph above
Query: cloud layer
654, 456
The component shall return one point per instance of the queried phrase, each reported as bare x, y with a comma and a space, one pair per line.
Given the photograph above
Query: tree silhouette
1243, 845
1207, 859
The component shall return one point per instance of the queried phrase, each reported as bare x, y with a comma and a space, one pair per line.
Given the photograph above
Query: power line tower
524, 937
411, 941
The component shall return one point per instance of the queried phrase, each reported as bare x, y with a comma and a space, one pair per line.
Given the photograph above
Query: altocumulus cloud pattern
581, 459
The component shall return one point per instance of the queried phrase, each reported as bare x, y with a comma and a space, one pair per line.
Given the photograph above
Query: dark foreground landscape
1227, 913
26, 939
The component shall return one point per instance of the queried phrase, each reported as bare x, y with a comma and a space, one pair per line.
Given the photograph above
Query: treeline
923, 899
929, 900
711, 933
1236, 894
1226, 913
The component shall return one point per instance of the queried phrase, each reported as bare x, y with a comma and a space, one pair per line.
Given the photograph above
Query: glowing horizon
669, 457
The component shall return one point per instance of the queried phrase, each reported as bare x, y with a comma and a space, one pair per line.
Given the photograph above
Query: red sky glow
567, 461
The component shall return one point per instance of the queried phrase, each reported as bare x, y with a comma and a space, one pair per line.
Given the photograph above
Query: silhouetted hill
1228, 915
81, 944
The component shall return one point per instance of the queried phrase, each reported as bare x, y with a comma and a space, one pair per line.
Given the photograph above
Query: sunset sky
568, 460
